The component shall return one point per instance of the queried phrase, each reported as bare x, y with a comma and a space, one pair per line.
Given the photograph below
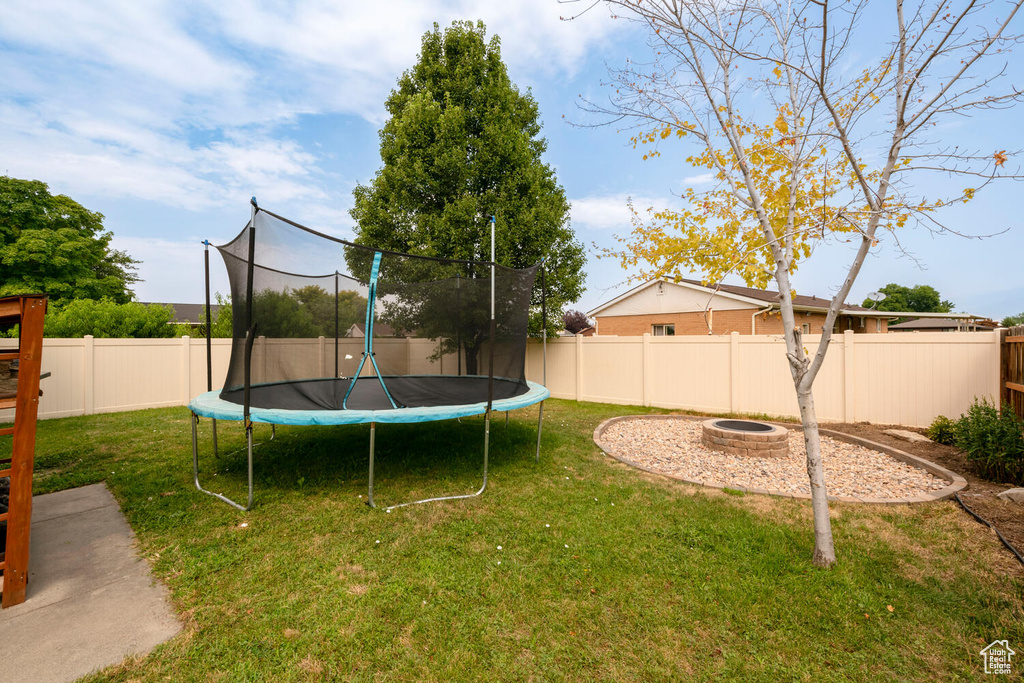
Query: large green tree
54, 245
919, 298
462, 144
1013, 320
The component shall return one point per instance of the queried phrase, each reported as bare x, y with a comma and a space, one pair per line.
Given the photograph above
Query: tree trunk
471, 355
824, 549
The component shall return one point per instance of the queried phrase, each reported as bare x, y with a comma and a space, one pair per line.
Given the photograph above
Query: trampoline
394, 338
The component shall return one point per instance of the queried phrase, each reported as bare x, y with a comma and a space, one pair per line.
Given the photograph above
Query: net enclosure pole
248, 309
490, 364
336, 330
250, 338
209, 336
544, 349
458, 323
491, 339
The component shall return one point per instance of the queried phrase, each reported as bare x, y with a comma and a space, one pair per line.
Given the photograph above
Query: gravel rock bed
673, 447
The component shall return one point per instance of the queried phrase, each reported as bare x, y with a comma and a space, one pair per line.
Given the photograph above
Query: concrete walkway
91, 600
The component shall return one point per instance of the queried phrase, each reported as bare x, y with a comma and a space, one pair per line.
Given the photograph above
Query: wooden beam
19, 520
10, 309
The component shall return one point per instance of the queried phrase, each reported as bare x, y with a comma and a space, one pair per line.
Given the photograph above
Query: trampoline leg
216, 452
540, 423
273, 431
373, 438
195, 451
487, 445
506, 419
487, 449
195, 466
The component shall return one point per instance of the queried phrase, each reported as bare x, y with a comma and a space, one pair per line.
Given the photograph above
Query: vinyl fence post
645, 368
734, 372
186, 369
849, 379
89, 375
579, 367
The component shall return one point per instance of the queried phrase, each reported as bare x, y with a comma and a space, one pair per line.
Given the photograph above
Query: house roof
800, 301
358, 330
186, 313
756, 297
939, 324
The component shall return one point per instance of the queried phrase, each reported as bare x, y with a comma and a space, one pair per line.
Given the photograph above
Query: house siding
722, 322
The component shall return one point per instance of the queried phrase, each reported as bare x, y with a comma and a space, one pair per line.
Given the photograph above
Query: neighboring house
358, 331
188, 314
664, 307
945, 325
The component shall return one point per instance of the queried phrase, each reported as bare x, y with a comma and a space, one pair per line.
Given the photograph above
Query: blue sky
167, 116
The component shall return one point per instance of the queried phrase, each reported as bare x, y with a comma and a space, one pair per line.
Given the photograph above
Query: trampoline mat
418, 391
421, 399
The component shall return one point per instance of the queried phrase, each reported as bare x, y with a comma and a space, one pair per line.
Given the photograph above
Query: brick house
664, 307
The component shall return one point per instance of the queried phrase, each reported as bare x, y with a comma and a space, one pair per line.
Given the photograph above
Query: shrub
943, 430
106, 318
993, 441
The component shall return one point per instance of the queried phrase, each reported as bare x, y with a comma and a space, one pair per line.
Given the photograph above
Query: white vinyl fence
904, 379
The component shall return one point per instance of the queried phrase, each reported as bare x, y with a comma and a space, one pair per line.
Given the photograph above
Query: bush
993, 441
107, 319
943, 430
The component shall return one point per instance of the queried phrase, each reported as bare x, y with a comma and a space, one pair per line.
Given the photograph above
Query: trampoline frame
367, 353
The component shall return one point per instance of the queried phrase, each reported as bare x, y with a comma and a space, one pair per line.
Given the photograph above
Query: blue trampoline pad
213, 406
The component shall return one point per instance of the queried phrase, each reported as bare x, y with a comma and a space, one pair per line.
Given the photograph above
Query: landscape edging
954, 482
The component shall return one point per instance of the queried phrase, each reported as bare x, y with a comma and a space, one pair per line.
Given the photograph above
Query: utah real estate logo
997, 657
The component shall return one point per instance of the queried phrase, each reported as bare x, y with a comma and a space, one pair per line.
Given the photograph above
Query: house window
805, 328
862, 322
878, 324
663, 330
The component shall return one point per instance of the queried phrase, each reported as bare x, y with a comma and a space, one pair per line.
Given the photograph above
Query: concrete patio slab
91, 601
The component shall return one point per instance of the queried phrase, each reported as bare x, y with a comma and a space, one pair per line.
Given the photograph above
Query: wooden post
26, 411
1003, 392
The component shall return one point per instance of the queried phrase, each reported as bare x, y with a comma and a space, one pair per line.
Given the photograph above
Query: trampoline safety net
320, 323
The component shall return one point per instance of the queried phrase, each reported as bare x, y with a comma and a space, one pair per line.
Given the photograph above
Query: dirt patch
980, 494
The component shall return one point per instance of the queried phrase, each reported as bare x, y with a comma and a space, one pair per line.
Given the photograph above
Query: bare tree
809, 144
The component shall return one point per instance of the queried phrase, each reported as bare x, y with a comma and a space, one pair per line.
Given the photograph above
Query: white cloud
189, 103
139, 38
610, 211
700, 179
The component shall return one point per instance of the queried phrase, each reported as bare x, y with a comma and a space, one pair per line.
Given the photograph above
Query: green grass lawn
604, 573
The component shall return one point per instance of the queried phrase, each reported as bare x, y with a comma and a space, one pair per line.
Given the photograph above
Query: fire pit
746, 438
